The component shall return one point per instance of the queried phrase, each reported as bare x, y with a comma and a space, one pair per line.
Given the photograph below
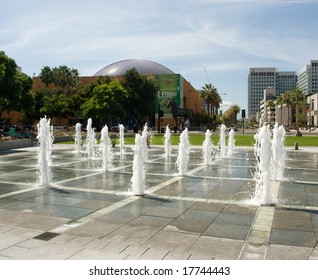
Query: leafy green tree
15, 87
62, 100
141, 94
106, 102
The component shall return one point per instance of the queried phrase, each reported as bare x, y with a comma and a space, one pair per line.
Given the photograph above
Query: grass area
240, 140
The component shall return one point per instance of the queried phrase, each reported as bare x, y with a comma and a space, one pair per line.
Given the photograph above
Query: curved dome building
142, 66
170, 86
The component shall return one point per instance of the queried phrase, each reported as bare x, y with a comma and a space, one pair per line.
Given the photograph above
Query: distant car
233, 126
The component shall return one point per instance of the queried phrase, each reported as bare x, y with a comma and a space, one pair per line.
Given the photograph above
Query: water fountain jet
90, 139
278, 152
207, 148
231, 142
167, 142
45, 138
78, 138
222, 145
263, 169
121, 138
105, 147
183, 153
138, 178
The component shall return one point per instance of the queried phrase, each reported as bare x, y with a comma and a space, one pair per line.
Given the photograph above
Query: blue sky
206, 41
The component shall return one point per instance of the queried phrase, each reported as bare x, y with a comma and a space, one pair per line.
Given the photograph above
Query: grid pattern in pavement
89, 213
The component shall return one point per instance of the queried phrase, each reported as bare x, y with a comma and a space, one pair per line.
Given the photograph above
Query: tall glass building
308, 78
262, 78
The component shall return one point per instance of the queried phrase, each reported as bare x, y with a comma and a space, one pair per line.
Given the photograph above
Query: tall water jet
183, 153
167, 141
222, 144
278, 152
78, 138
145, 141
138, 178
45, 138
105, 147
231, 142
121, 138
263, 169
90, 139
207, 148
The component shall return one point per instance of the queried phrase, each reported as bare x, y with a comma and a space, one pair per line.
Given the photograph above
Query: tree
297, 99
66, 78
46, 75
230, 115
141, 94
62, 100
15, 87
212, 98
288, 101
106, 102
280, 102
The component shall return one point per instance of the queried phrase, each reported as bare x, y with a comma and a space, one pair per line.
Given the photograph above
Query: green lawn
240, 140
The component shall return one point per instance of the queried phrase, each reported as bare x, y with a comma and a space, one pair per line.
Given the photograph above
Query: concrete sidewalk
88, 213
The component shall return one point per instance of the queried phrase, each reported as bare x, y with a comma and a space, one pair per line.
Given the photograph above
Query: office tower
261, 78
308, 78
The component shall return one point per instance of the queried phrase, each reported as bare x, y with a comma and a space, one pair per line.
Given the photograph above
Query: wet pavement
89, 213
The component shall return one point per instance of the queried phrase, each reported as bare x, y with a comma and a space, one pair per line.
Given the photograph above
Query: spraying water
78, 138
207, 148
90, 139
105, 147
231, 142
167, 141
183, 153
278, 151
263, 168
45, 138
138, 178
222, 141
145, 141
121, 138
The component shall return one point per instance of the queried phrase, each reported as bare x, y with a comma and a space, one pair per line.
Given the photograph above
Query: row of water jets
269, 152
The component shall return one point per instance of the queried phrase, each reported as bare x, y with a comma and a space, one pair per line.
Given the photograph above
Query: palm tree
280, 101
297, 98
288, 101
212, 98
235, 109
46, 75
230, 115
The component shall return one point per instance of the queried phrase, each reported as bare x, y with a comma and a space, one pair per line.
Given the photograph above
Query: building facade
261, 78
308, 78
308, 84
267, 109
312, 110
170, 86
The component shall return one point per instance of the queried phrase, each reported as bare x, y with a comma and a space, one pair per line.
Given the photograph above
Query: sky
206, 41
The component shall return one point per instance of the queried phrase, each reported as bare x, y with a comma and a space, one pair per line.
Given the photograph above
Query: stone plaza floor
87, 213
